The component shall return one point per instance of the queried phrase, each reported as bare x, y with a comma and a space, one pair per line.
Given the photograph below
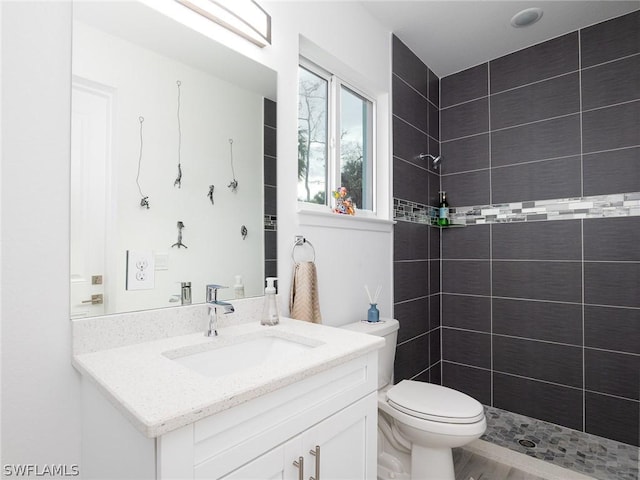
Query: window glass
356, 172
335, 139
313, 96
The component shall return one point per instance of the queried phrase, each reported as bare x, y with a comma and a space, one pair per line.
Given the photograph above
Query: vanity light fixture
243, 17
526, 17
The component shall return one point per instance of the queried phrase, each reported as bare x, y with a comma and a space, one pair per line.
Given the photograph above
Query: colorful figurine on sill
344, 204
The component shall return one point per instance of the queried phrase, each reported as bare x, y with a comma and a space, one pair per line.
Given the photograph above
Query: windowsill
328, 219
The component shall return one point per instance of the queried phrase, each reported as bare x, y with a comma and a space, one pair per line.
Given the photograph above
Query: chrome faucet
215, 306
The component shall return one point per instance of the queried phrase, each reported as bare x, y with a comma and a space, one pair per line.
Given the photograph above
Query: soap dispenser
238, 287
270, 314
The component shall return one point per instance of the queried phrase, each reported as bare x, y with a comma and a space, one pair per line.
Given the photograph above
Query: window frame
333, 162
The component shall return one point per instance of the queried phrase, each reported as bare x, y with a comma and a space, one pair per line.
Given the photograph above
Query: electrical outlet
140, 270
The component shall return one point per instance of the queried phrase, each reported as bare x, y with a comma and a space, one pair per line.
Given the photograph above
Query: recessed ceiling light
526, 17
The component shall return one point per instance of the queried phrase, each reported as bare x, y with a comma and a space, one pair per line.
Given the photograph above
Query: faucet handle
212, 292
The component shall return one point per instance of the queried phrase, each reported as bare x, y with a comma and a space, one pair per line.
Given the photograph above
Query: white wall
40, 391
346, 258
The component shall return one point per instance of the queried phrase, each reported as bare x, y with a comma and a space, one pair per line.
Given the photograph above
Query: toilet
418, 423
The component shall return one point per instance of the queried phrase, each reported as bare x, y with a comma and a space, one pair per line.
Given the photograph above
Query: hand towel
304, 303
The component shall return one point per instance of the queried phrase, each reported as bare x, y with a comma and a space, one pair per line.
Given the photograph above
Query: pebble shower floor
594, 456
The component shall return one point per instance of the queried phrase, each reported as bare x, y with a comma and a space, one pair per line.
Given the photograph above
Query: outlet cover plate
140, 270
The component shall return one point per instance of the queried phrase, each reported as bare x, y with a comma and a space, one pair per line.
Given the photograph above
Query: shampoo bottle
270, 314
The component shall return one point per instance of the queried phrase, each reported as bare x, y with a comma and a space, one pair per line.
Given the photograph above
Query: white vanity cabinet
333, 412
336, 448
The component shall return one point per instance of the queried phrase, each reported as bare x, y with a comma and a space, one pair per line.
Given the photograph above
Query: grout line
395, 115
581, 113
613, 105
584, 366
440, 307
524, 299
583, 347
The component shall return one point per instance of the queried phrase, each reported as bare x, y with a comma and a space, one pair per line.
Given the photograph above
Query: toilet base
431, 463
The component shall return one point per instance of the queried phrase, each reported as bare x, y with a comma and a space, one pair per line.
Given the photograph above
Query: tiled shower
539, 316
270, 190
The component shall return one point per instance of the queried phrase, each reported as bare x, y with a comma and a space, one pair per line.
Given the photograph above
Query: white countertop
157, 394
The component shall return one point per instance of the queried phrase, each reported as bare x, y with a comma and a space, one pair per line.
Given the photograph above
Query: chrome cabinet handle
300, 464
316, 453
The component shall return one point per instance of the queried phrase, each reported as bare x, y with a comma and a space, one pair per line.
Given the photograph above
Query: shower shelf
453, 225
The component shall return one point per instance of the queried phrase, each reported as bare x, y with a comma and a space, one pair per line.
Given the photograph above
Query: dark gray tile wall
416, 130
270, 189
543, 318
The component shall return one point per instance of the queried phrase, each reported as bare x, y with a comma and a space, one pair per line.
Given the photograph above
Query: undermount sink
227, 359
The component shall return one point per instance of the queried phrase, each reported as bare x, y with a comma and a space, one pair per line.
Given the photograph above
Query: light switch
140, 270
162, 260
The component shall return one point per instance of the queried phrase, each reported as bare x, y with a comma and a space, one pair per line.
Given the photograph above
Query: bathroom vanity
296, 400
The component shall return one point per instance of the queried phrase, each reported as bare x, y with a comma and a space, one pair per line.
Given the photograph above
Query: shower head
435, 160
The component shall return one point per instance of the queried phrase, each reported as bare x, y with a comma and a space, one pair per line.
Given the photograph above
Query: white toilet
418, 423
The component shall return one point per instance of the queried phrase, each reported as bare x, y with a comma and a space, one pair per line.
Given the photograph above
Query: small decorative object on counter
443, 213
373, 314
344, 204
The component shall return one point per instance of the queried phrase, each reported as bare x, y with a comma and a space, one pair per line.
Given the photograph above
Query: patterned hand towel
304, 303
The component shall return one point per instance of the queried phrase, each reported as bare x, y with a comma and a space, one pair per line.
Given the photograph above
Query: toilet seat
434, 402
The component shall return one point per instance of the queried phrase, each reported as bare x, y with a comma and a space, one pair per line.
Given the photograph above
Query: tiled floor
593, 456
471, 466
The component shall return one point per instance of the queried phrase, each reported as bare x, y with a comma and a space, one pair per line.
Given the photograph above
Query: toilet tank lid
381, 328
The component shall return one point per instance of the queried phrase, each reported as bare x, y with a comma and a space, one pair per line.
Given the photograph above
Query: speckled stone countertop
157, 394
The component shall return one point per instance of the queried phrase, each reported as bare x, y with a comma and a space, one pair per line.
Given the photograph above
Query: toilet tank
387, 328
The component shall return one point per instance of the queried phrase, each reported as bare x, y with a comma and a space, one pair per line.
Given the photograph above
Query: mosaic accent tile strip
600, 206
588, 454
409, 211
271, 222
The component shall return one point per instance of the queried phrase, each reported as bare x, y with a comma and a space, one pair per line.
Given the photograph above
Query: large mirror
164, 121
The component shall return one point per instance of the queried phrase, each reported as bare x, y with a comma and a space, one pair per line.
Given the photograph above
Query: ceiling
451, 36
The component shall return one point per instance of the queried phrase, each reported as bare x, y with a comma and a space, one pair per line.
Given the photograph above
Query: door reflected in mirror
173, 135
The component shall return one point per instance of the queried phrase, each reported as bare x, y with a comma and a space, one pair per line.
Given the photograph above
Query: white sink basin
232, 358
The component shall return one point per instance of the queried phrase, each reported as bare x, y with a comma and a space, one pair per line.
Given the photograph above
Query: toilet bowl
418, 423
434, 419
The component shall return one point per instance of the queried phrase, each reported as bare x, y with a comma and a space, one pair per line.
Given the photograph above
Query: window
335, 139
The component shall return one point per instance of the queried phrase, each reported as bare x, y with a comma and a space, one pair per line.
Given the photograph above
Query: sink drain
526, 443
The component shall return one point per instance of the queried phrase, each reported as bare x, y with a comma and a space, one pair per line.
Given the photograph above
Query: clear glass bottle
443, 210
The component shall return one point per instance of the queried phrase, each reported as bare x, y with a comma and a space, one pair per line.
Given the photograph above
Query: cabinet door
346, 443
276, 464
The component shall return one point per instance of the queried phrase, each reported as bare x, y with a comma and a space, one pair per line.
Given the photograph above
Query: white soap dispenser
238, 288
270, 314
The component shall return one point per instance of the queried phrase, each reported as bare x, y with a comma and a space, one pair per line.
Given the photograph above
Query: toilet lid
434, 402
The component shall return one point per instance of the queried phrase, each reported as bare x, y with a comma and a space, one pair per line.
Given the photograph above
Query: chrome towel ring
300, 241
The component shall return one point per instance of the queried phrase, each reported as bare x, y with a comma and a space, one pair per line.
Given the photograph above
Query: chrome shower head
435, 160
